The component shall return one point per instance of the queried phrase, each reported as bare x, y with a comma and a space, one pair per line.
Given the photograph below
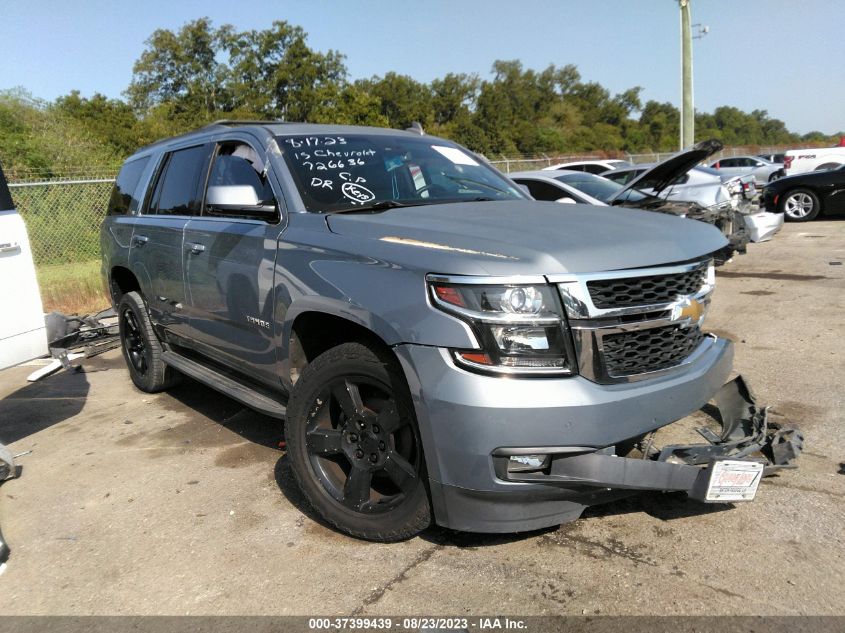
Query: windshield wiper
382, 205
470, 181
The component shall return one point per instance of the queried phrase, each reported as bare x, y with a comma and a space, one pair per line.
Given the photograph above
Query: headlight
519, 326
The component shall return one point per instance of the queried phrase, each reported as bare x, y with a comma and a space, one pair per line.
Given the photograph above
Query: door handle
8, 248
140, 240
196, 248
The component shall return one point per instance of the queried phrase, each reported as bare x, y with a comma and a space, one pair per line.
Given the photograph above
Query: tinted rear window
177, 190
595, 186
543, 190
123, 198
5, 197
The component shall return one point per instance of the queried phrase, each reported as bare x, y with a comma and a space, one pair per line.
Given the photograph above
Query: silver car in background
569, 187
764, 171
696, 185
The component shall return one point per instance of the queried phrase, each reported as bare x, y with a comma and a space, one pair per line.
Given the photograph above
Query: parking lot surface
183, 502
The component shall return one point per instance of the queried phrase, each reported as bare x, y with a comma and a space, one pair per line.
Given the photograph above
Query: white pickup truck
800, 161
22, 332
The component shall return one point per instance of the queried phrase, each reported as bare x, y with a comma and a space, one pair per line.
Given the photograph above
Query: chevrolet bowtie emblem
691, 309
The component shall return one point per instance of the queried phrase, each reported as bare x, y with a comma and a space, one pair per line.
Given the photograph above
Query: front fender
388, 301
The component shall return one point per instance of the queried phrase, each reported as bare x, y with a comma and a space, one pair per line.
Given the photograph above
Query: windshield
602, 188
595, 186
358, 171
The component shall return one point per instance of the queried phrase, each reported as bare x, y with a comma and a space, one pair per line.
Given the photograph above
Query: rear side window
122, 199
177, 189
622, 178
594, 169
543, 191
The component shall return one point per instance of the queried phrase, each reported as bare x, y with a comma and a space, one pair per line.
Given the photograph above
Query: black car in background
801, 198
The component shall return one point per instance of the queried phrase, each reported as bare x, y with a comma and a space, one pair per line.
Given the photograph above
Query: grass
72, 288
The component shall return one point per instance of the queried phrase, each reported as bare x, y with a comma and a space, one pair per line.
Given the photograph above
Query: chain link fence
63, 217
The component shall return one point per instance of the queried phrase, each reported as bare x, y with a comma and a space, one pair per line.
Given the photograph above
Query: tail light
787, 161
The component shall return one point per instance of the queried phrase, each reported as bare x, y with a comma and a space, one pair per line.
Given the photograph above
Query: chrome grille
626, 325
643, 291
643, 351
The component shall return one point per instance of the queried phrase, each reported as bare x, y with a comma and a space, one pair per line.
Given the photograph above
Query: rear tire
800, 205
141, 346
355, 447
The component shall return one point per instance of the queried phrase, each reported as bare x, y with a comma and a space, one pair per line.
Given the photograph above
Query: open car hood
664, 174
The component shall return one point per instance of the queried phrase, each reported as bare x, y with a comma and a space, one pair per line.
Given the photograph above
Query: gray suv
440, 346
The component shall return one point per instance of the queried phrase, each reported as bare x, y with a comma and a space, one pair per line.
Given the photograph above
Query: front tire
800, 205
141, 347
354, 444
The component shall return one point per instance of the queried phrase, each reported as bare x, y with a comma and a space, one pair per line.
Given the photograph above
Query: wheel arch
121, 281
313, 326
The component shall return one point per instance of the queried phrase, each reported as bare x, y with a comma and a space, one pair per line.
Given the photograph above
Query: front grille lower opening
642, 351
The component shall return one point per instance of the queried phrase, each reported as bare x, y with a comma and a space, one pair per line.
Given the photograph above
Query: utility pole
687, 110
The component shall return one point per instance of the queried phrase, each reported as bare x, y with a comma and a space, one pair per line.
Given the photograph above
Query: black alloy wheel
354, 444
141, 347
365, 455
133, 342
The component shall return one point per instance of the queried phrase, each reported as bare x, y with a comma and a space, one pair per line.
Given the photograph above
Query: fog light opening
527, 463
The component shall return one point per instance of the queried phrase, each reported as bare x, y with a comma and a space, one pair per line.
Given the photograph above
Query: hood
664, 174
6, 203
519, 237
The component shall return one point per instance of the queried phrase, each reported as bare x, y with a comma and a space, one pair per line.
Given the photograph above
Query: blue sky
784, 56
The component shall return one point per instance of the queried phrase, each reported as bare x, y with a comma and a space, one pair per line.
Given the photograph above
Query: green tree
182, 69
275, 73
660, 125
111, 121
403, 99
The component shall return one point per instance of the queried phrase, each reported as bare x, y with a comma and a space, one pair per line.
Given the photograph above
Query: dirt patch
795, 411
245, 454
758, 293
723, 334
611, 548
103, 362
777, 276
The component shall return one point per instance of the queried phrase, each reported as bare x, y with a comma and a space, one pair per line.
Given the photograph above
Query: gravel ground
183, 503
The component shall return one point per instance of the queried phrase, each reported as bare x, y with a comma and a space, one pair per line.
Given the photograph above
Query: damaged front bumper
726, 468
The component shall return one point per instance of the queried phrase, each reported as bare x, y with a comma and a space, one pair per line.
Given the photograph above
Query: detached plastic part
746, 436
746, 433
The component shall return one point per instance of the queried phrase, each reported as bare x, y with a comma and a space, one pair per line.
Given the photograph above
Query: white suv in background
23, 335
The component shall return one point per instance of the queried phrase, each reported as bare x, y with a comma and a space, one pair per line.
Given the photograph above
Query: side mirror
237, 200
566, 200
